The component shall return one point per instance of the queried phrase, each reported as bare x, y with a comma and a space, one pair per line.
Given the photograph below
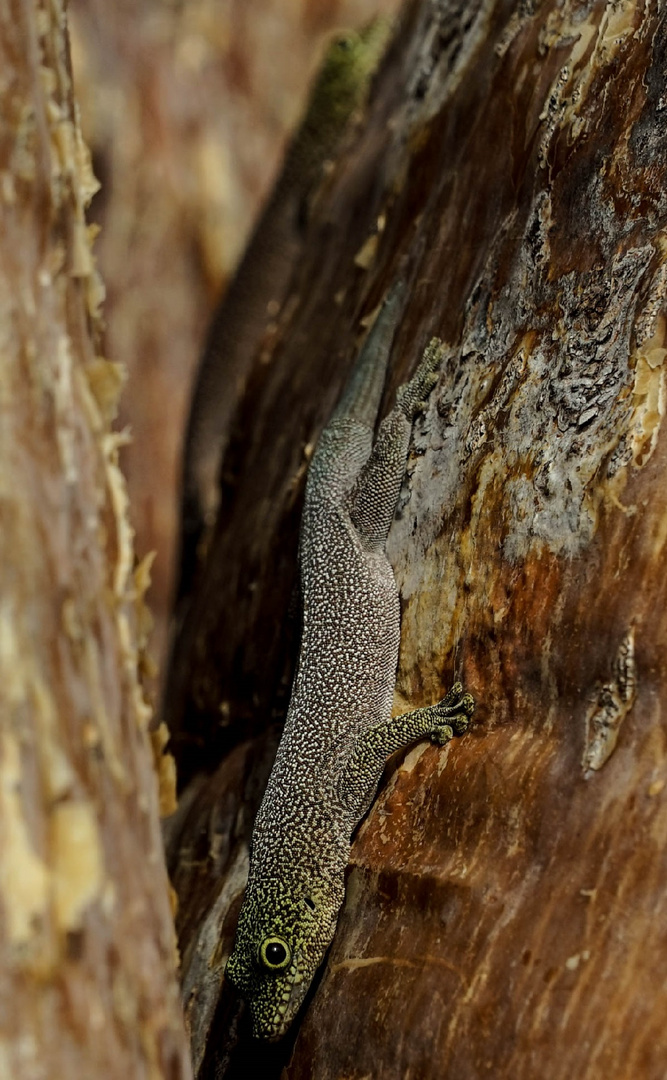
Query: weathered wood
506, 911
87, 952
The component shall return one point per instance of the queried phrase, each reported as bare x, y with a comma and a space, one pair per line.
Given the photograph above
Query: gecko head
282, 936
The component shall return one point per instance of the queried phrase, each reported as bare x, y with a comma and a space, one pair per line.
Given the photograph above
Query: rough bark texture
87, 952
506, 910
187, 108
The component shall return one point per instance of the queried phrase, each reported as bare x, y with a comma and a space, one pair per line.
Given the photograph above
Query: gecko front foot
452, 715
412, 398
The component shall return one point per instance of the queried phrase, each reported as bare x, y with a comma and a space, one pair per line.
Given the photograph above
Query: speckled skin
339, 730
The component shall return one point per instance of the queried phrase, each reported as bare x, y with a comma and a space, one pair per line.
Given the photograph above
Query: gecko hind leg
375, 493
347, 440
412, 397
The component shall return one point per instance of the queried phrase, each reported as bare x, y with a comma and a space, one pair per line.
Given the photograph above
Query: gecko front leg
440, 722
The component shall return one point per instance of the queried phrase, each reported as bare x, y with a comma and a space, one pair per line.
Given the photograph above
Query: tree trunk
87, 953
506, 910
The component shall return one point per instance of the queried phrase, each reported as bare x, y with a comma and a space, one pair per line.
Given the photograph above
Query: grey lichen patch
612, 704
577, 403
544, 400
487, 418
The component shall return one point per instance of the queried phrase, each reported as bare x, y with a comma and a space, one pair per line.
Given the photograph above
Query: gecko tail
363, 392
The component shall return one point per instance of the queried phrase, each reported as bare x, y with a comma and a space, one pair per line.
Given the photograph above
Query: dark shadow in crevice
233, 1054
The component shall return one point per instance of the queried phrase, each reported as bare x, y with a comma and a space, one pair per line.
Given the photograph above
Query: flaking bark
87, 953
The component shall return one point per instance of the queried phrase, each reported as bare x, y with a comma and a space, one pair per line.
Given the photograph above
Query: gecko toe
453, 695
460, 724
442, 734
455, 709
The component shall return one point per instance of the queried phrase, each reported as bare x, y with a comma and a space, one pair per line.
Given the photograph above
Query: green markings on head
348, 66
282, 936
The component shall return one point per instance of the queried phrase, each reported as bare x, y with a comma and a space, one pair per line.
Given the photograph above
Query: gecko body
339, 730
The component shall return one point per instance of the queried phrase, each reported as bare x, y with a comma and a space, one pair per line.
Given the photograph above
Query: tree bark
87, 952
505, 911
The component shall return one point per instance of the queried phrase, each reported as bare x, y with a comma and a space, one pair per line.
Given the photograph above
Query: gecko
339, 730
262, 279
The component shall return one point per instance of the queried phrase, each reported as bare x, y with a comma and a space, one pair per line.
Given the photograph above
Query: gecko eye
274, 953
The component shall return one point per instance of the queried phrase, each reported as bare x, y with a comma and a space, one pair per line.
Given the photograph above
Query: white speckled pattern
339, 732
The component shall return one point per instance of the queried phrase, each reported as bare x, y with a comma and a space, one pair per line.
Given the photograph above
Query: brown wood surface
88, 961
505, 912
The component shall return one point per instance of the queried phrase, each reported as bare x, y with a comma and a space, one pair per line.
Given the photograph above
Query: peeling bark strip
87, 960
613, 703
506, 915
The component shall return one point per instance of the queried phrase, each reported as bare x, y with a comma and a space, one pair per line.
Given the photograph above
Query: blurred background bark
187, 109
88, 958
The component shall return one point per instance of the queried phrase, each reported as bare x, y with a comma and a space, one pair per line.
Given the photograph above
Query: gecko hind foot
452, 715
442, 735
413, 396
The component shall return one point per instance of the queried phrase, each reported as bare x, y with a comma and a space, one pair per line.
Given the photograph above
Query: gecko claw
442, 735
